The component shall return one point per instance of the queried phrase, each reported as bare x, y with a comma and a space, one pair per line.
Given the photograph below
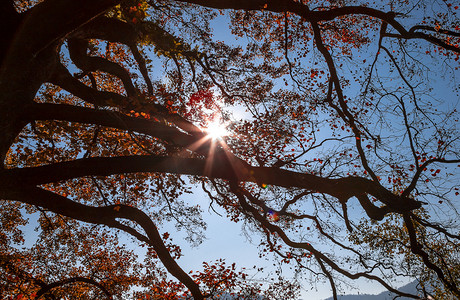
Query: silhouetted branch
107, 215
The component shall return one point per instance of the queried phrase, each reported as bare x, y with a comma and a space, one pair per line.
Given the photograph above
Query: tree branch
77, 52
273, 228
323, 15
416, 248
116, 31
108, 216
52, 20
107, 118
64, 79
48, 287
214, 167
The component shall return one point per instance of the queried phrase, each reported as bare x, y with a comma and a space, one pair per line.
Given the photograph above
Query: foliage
340, 157
390, 238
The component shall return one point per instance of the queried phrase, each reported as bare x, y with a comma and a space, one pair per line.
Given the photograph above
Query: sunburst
216, 130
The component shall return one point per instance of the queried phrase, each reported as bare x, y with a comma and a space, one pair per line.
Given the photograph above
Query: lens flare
273, 216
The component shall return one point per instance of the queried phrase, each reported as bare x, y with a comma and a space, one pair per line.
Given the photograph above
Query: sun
216, 130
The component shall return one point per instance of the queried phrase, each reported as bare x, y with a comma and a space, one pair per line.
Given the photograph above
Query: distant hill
409, 288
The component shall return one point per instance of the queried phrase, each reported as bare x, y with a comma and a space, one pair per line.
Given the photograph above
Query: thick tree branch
107, 215
214, 167
323, 15
10, 22
53, 20
77, 51
116, 31
64, 79
107, 118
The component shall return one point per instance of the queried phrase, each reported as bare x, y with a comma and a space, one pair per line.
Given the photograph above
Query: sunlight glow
216, 130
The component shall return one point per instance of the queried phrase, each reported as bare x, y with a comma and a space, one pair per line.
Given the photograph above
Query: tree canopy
338, 150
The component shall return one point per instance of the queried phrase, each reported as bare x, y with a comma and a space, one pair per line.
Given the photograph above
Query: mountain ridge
412, 288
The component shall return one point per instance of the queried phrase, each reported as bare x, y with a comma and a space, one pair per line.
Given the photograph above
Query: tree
351, 106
